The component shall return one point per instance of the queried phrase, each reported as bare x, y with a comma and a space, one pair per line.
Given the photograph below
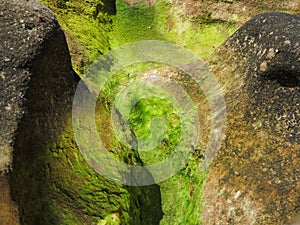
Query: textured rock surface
9, 211
21, 35
50, 181
255, 177
235, 11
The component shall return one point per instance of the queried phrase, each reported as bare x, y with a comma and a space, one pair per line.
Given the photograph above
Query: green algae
64, 189
88, 25
163, 22
69, 191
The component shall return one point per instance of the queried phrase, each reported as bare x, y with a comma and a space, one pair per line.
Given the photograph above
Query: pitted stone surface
25, 27
255, 177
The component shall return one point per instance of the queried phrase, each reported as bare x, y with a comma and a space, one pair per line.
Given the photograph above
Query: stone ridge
25, 25
255, 177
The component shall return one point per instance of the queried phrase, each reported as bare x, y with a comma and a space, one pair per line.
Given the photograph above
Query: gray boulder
36, 75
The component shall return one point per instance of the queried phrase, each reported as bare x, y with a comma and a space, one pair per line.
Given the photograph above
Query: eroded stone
259, 159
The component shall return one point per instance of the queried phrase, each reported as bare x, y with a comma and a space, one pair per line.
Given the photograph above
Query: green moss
112, 219
133, 24
182, 196
88, 25
163, 22
155, 122
66, 190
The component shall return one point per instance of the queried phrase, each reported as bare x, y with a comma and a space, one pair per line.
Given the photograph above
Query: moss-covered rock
50, 181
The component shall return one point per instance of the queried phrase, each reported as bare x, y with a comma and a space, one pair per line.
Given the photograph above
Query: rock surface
255, 177
50, 181
22, 32
9, 211
234, 11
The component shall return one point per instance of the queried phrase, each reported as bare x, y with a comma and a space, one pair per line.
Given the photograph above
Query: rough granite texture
255, 177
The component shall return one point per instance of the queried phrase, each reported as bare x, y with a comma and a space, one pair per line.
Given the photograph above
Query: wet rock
254, 179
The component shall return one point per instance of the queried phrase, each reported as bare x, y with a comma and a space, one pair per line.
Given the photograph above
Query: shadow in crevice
148, 202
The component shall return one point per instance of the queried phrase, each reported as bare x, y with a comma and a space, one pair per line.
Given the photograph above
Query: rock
49, 179
146, 3
233, 11
9, 211
21, 38
254, 179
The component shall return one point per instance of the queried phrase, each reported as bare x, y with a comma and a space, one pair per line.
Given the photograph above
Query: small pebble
6, 59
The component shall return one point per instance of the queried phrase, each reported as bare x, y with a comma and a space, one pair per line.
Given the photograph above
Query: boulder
50, 181
254, 179
28, 29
